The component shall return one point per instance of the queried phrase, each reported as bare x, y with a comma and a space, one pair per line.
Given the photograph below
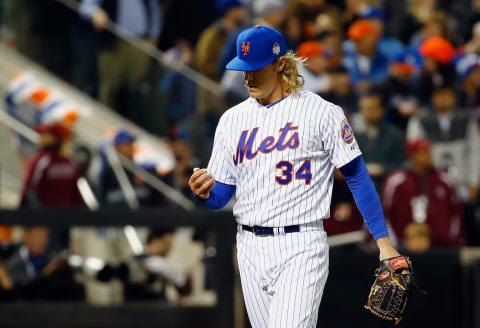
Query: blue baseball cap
123, 136
257, 47
372, 12
467, 64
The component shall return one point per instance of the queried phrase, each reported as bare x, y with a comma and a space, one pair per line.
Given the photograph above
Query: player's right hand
201, 183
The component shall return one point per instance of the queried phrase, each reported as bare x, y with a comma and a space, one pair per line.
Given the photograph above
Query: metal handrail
89, 198
19, 127
158, 184
155, 53
122, 178
150, 179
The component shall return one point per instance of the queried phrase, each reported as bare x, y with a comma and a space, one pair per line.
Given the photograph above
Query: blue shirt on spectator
375, 70
361, 68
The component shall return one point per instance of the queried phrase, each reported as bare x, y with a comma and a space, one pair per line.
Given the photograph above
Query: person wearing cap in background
437, 68
51, 179
314, 72
388, 46
52, 170
399, 91
276, 151
468, 71
375, 16
422, 194
367, 66
124, 143
455, 139
110, 191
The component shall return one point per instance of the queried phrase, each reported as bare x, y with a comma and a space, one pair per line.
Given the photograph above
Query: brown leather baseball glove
391, 289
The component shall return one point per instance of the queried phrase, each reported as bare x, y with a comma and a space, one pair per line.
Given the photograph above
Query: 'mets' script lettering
245, 143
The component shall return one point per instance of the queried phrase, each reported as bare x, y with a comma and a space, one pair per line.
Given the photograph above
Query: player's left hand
386, 249
391, 289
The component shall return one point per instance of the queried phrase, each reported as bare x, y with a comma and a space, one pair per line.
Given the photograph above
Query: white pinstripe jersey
282, 158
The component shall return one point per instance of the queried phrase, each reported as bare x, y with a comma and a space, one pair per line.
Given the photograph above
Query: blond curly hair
291, 78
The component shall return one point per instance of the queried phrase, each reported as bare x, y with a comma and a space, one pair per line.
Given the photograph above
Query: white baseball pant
283, 276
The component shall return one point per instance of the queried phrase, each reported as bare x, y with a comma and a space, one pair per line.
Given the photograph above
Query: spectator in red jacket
423, 194
51, 179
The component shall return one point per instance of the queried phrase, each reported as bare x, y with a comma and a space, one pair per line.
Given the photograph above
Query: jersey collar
269, 105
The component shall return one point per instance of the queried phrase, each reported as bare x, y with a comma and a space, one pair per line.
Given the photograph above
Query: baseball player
277, 151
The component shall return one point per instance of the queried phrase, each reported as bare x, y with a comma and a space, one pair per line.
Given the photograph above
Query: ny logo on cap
245, 47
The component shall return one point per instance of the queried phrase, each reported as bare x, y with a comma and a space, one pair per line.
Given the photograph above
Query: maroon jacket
341, 194
51, 181
402, 197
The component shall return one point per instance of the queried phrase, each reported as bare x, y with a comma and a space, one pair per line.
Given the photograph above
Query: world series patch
346, 132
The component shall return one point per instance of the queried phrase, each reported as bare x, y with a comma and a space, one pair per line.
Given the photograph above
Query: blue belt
269, 231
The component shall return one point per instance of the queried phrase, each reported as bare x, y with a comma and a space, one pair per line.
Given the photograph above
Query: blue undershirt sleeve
366, 196
219, 196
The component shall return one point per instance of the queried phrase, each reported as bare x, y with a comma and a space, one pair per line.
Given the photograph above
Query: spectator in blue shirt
390, 47
366, 65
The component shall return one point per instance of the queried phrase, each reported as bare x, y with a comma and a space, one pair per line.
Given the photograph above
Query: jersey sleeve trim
226, 181
349, 157
219, 196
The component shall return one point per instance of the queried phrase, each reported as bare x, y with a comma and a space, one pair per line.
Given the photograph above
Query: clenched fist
201, 183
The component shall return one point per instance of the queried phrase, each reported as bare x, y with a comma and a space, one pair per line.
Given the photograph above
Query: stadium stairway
95, 122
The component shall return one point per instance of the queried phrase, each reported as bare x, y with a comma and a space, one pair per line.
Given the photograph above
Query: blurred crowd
101, 265
406, 73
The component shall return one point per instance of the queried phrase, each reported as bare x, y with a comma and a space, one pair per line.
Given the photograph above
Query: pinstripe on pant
283, 277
